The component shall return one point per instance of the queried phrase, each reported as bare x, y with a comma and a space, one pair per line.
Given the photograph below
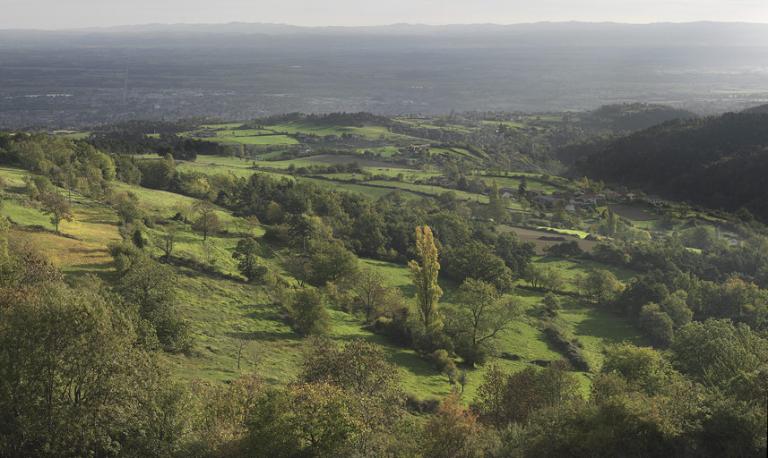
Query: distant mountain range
540, 34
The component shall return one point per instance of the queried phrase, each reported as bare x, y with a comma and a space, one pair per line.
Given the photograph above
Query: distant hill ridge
633, 116
757, 110
541, 33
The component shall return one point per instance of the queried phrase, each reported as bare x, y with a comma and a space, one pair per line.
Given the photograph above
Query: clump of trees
70, 164
150, 287
75, 378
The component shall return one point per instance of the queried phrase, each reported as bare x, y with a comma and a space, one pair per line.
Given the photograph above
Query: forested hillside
757, 109
719, 162
630, 117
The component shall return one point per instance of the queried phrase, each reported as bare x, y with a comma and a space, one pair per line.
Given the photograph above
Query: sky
63, 14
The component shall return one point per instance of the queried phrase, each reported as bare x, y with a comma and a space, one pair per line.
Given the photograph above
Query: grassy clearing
262, 140
433, 190
370, 132
544, 239
510, 124
436, 151
596, 328
81, 245
571, 269
210, 168
73, 135
557, 230
524, 340
635, 212
13, 178
433, 124
406, 175
367, 191
235, 132
225, 315
164, 204
329, 159
23, 214
231, 133
225, 125
224, 165
514, 183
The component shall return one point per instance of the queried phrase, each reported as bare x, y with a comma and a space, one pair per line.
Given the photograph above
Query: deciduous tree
424, 272
207, 221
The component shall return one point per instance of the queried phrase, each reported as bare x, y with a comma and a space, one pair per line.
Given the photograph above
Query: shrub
307, 313
445, 364
568, 345
565, 250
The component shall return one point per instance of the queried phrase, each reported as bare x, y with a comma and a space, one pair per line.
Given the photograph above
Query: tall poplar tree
424, 274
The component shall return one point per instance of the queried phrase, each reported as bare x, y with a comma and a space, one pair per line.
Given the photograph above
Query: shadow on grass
413, 363
610, 331
16, 189
268, 336
90, 252
262, 312
104, 271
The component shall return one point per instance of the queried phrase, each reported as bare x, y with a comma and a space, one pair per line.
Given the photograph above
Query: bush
445, 364
395, 326
568, 345
248, 262
657, 325
307, 313
278, 233
565, 250
472, 354
550, 305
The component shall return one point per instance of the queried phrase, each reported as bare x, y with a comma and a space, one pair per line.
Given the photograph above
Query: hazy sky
52, 14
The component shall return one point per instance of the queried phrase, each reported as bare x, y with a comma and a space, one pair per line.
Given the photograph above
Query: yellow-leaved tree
424, 273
